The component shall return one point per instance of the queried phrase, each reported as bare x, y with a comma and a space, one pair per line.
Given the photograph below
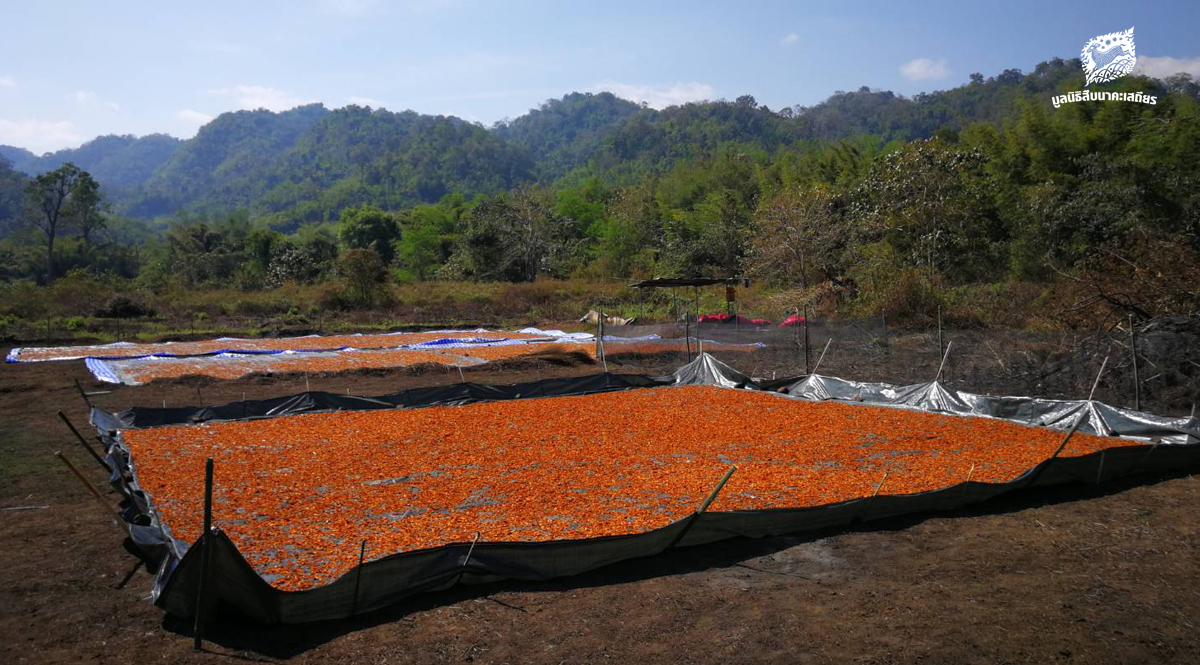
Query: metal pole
84, 443
1137, 383
205, 542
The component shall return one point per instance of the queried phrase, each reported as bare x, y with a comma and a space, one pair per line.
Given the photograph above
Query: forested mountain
120, 162
867, 202
562, 134
12, 185
306, 164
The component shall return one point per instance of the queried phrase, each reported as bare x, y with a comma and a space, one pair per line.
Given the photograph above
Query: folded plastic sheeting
386, 580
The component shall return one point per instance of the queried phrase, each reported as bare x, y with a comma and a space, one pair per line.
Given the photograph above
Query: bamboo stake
1098, 375
90, 488
943, 365
806, 372
712, 496
1137, 383
362, 552
467, 559
963, 493
1042, 467
96, 456
83, 394
206, 557
941, 349
818, 365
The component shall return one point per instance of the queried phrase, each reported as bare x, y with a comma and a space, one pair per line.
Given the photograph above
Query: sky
72, 70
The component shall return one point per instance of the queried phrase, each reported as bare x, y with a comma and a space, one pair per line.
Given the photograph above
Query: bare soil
1076, 573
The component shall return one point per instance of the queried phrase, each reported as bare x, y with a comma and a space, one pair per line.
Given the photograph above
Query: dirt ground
1078, 573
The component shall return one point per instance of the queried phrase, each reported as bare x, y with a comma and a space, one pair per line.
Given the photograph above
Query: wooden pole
968, 480
941, 349
83, 394
805, 339
1137, 383
1099, 374
1042, 467
943, 365
818, 365
712, 496
96, 456
362, 552
1100, 469
90, 488
467, 559
205, 542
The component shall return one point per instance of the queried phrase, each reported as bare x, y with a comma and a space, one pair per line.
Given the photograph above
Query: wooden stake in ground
818, 365
99, 460
1137, 383
712, 496
362, 552
205, 541
1042, 467
90, 488
943, 365
1097, 382
806, 372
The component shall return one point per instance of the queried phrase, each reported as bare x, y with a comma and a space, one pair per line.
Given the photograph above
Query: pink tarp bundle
725, 318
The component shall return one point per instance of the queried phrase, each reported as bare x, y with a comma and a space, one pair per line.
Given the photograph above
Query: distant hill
118, 162
306, 164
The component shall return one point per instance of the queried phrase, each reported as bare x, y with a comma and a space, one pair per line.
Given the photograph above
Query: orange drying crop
228, 367
313, 342
297, 494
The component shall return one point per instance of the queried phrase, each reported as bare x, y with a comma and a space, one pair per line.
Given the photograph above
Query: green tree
49, 197
368, 227
362, 271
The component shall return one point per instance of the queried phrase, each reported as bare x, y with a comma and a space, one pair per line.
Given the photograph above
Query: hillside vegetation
985, 199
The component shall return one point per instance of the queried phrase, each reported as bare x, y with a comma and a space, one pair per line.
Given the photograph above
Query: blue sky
70, 71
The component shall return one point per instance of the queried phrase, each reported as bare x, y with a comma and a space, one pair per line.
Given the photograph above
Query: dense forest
868, 201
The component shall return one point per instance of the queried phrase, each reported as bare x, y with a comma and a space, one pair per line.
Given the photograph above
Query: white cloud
39, 136
923, 69
252, 97
364, 101
661, 96
193, 120
7, 82
88, 99
791, 39
1163, 67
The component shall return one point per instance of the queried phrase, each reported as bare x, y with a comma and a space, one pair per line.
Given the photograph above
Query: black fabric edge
392, 578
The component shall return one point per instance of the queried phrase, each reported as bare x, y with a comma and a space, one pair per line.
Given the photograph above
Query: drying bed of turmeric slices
298, 494
232, 366
229, 367
309, 343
